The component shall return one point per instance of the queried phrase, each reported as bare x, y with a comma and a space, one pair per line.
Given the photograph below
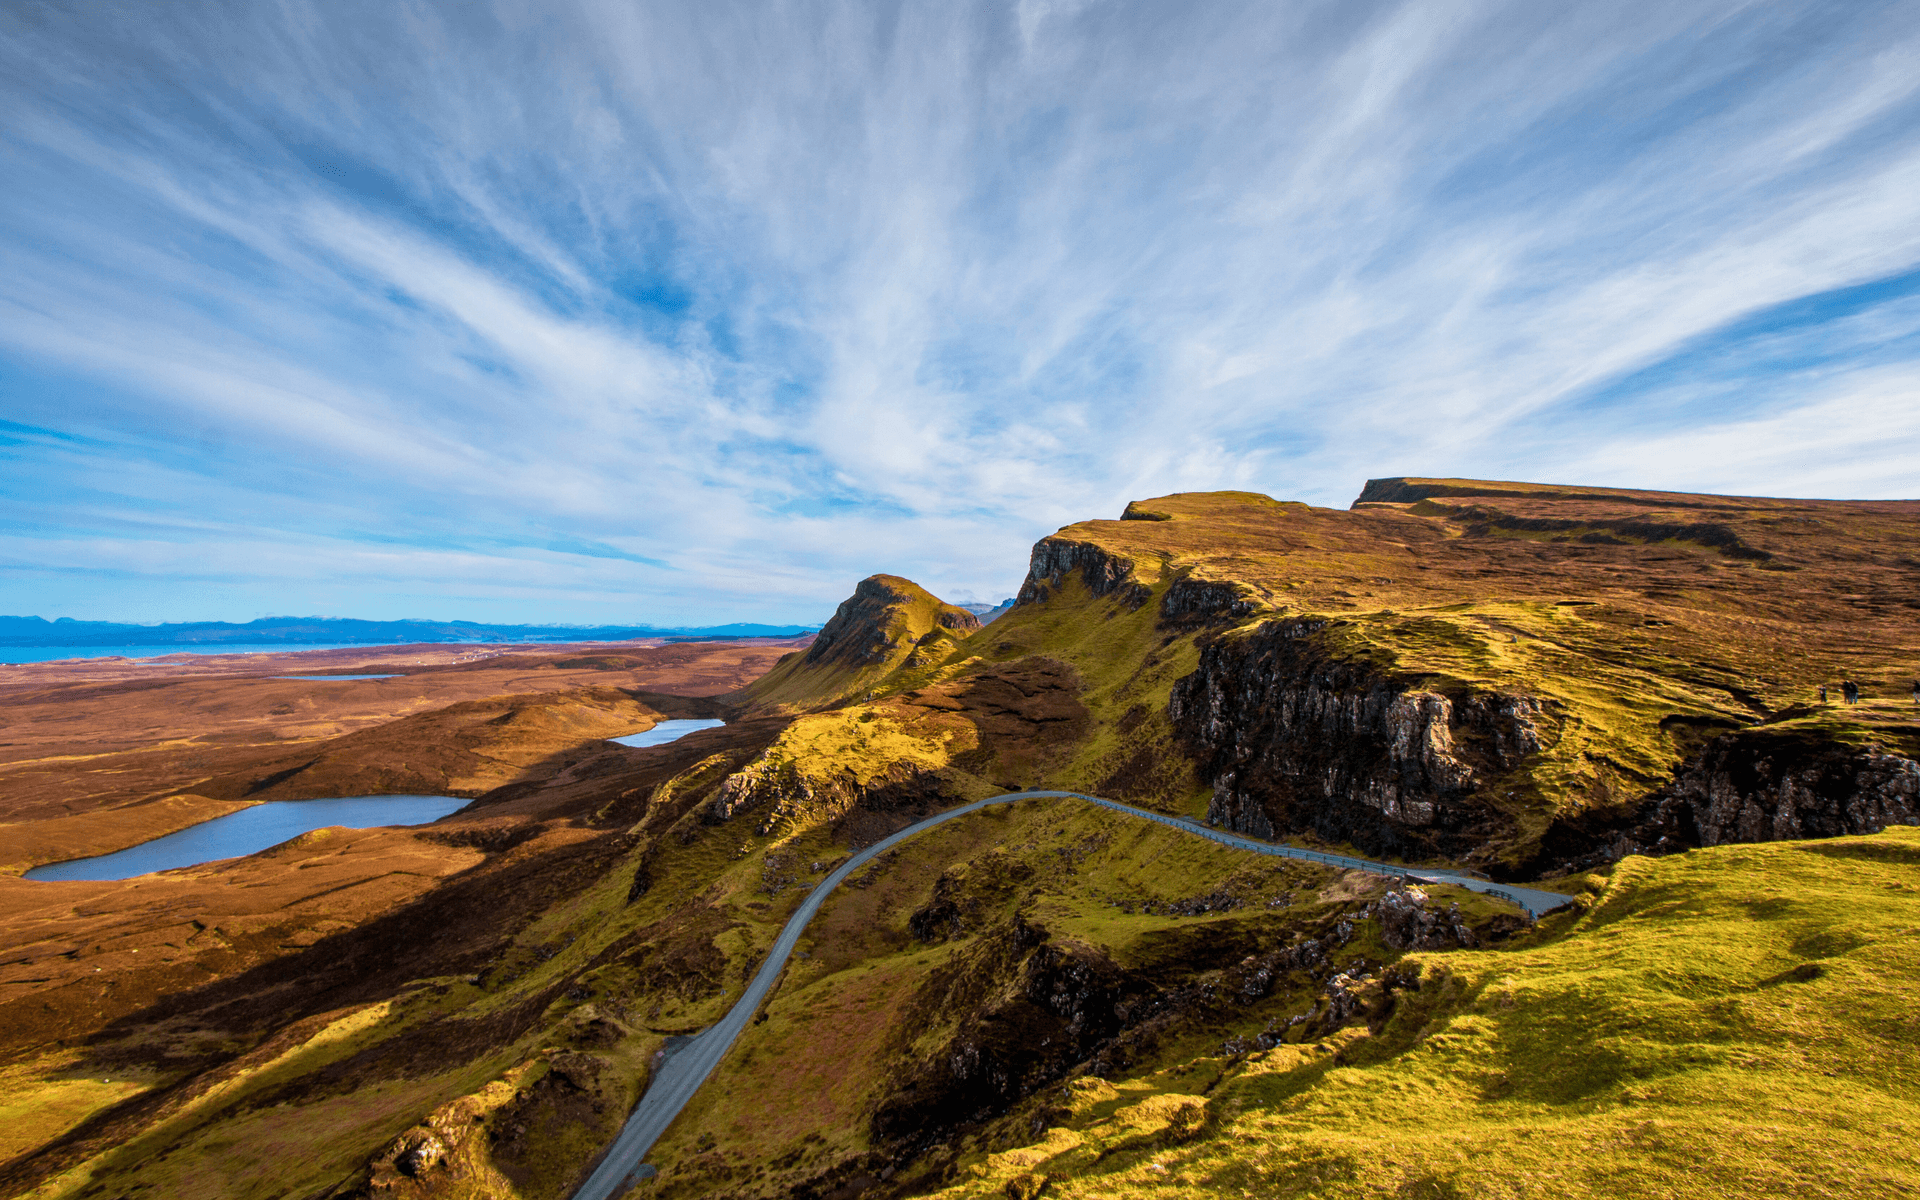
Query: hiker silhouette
1850, 691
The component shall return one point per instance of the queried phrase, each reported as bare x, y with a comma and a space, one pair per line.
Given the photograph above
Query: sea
34, 654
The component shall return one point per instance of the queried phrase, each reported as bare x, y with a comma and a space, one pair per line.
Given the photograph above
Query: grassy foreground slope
1733, 1022
988, 963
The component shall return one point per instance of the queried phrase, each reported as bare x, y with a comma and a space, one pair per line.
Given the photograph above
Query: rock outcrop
1295, 741
1055, 558
1190, 600
1751, 786
1754, 788
1408, 921
864, 628
825, 765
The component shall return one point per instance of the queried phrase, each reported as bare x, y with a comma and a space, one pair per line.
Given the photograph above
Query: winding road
688, 1063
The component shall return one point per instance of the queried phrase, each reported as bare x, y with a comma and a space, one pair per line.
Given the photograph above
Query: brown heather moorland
1611, 694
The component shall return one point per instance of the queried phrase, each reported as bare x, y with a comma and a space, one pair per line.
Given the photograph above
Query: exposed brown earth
76, 956
78, 737
1523, 677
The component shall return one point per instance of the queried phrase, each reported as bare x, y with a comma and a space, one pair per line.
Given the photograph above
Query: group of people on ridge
1850, 692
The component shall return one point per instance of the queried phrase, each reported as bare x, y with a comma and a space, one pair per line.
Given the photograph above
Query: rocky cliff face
1294, 741
1055, 558
1188, 600
1751, 786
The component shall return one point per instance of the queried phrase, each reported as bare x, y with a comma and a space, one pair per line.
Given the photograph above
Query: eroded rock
1296, 741
1752, 786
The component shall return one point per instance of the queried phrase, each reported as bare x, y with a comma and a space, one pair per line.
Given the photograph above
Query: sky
685, 313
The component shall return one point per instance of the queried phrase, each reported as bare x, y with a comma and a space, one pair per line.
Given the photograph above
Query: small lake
331, 678
667, 731
250, 831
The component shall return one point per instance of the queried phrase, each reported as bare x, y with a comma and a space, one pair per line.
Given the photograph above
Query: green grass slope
1005, 937
887, 624
1053, 999
1732, 1022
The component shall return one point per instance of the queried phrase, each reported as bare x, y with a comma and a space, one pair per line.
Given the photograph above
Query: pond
250, 831
666, 731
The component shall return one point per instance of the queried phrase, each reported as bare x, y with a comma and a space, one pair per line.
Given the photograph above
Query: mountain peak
874, 631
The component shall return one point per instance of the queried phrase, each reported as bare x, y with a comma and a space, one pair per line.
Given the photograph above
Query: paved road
688, 1063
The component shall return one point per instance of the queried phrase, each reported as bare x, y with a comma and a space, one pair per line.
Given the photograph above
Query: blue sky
701, 312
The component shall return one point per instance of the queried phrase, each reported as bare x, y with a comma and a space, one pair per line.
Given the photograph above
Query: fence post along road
686, 1066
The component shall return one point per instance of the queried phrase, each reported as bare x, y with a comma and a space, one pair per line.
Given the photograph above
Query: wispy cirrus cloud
602, 311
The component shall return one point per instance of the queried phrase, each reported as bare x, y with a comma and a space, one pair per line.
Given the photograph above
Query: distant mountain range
301, 631
986, 612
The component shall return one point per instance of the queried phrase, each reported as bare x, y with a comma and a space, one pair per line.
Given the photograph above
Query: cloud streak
743, 302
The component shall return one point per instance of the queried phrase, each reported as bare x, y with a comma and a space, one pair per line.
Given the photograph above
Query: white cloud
1856, 437
671, 277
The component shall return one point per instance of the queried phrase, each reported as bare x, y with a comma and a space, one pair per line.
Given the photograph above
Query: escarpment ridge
1562, 685
1465, 669
1517, 676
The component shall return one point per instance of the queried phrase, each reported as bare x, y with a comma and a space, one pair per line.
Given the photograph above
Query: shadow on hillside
459, 927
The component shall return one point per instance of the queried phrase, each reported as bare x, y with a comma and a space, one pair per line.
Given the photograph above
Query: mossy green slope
879, 990
889, 623
1737, 1021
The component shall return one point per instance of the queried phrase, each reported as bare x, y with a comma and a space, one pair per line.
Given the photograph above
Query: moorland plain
1614, 695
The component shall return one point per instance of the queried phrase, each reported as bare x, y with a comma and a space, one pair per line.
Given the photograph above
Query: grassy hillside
1051, 998
1733, 1022
888, 624
1580, 647
1032, 944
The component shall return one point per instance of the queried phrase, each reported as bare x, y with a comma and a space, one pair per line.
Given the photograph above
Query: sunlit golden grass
796, 1090
1730, 1022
